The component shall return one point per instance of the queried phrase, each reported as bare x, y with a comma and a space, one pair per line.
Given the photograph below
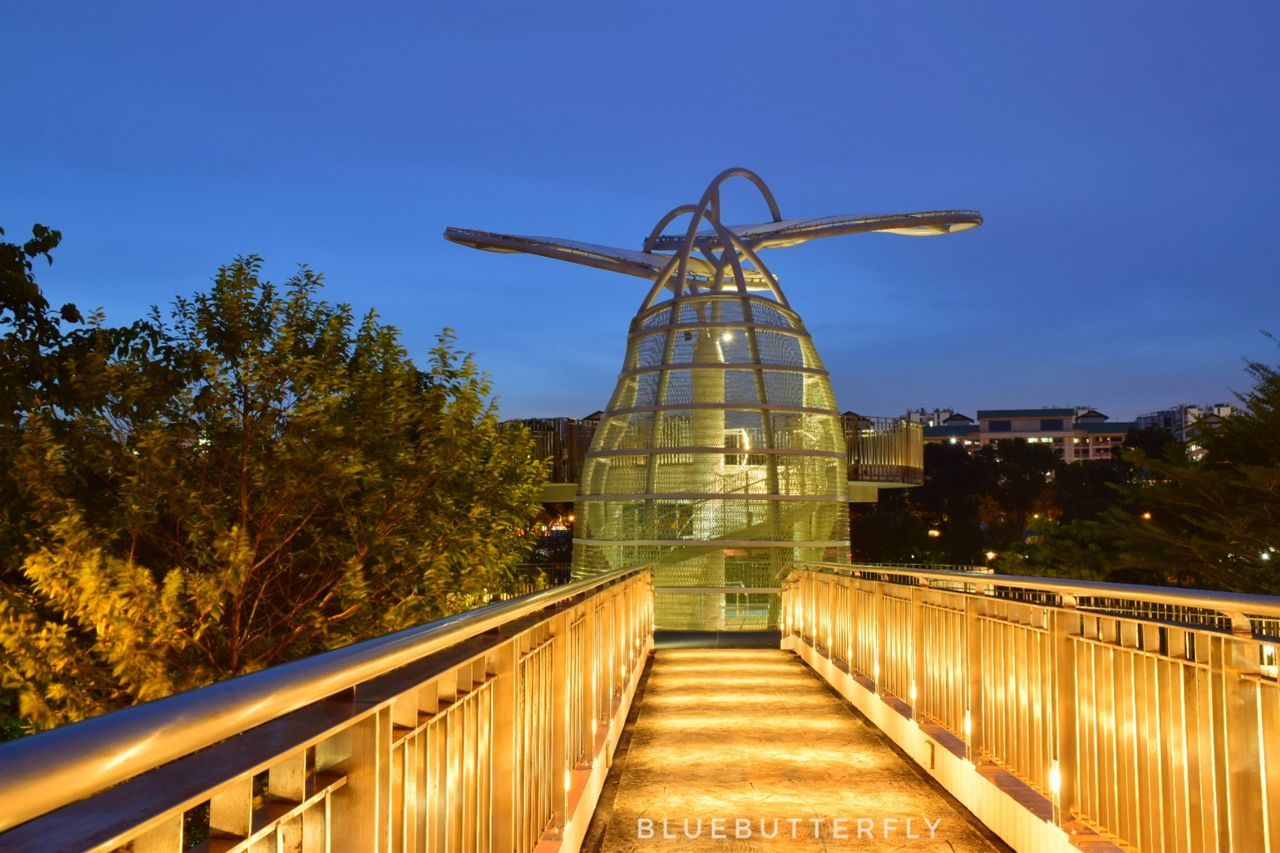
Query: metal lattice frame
721, 457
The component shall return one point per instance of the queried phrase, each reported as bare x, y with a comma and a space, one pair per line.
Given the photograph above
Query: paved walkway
732, 746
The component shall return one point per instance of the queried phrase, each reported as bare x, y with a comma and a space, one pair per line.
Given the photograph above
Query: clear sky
1124, 154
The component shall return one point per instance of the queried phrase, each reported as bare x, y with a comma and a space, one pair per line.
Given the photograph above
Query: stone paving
746, 750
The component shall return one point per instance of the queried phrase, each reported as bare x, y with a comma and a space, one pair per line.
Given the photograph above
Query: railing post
917, 686
561, 763
590, 653
973, 676
1242, 762
1066, 625
847, 618
359, 808
877, 666
505, 760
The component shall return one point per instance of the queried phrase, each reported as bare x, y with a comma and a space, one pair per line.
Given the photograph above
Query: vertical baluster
560, 702
973, 676
1243, 756
1065, 623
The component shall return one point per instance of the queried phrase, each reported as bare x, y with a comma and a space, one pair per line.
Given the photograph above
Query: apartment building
1186, 420
1075, 434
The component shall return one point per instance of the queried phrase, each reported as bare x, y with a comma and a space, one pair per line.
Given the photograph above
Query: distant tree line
248, 476
1159, 513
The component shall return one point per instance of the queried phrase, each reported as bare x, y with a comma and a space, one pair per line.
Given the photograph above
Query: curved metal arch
741, 172
708, 208
674, 214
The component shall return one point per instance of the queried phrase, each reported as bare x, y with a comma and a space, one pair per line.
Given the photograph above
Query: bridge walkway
752, 740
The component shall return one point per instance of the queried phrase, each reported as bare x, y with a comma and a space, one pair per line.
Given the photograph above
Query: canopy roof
628, 261
650, 265
790, 232
717, 257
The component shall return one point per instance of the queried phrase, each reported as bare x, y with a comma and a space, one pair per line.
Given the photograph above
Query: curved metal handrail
1236, 606
49, 770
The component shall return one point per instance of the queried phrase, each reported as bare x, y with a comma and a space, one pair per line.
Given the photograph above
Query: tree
1201, 524
1082, 548
1152, 441
1086, 490
29, 327
260, 476
951, 500
1211, 521
888, 532
54, 368
1024, 471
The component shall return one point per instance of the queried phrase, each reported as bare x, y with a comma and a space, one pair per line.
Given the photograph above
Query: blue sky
1124, 155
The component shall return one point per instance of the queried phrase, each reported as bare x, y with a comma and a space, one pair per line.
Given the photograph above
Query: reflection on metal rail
1147, 714
440, 737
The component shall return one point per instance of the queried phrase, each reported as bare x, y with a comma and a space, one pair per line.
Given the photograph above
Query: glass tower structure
720, 458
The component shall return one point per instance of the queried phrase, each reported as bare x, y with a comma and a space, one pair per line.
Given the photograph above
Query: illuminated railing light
568, 779
1055, 779
968, 726
912, 693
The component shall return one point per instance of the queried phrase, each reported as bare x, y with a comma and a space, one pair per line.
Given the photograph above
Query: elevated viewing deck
882, 452
968, 710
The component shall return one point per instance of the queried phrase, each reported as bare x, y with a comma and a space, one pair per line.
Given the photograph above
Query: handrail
1235, 605
49, 770
1057, 709
956, 567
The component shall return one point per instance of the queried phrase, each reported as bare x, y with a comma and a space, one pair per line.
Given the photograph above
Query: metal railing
884, 450
489, 730
1146, 713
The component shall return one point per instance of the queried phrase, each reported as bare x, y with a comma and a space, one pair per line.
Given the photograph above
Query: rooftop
1026, 413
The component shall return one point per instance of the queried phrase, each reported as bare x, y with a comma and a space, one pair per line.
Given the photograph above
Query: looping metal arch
676, 275
740, 172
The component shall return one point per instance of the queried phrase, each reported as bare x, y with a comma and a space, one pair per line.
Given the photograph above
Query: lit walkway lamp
721, 456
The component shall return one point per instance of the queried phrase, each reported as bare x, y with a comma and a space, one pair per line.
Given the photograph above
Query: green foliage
1081, 549
953, 501
254, 476
57, 369
1016, 500
1024, 471
1210, 520
1204, 515
1085, 491
888, 532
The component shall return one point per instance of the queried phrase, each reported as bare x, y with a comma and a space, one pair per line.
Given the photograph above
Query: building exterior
931, 417
1075, 434
564, 442
1186, 420
721, 457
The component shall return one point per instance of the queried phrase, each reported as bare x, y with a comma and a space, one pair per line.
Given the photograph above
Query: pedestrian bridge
898, 708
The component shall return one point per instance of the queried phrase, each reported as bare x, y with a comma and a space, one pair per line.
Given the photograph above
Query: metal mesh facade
720, 459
